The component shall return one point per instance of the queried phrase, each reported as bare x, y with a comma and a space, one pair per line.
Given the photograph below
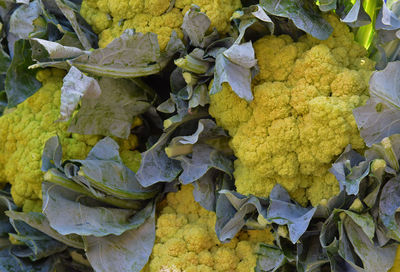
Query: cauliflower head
110, 18
24, 132
186, 240
301, 117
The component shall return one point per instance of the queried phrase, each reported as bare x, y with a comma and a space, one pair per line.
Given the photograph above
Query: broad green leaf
283, 211
374, 258
270, 258
127, 252
237, 76
38, 246
131, 55
57, 177
111, 113
20, 82
104, 170
39, 221
303, 13
389, 205
21, 22
380, 117
75, 86
11, 263
365, 222
72, 213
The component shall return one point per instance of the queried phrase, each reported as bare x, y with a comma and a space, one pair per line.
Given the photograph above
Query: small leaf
43, 50
195, 25
75, 86
233, 214
238, 77
242, 55
283, 212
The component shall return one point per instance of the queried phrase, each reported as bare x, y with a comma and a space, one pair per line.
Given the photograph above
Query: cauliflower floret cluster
25, 130
186, 240
301, 117
109, 18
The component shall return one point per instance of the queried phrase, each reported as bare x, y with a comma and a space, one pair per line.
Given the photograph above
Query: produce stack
195, 135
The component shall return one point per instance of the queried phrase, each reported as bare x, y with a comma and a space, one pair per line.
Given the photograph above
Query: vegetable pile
195, 135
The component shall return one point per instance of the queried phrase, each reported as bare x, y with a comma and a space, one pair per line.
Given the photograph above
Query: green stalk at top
365, 34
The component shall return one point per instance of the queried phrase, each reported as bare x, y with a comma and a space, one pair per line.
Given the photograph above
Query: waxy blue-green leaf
374, 258
69, 212
283, 211
20, 82
203, 158
104, 170
232, 211
39, 221
156, 166
113, 111
303, 14
380, 117
76, 85
21, 23
389, 205
129, 251
195, 26
237, 76
131, 55
350, 12
350, 169
270, 258
43, 50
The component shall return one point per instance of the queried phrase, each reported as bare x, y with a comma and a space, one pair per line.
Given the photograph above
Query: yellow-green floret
186, 240
301, 117
25, 130
109, 18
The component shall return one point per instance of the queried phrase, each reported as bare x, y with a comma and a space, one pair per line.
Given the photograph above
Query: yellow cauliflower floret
109, 18
186, 240
301, 117
25, 130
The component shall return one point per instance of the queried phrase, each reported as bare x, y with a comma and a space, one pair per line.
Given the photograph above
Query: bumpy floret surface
24, 131
186, 240
109, 18
301, 117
